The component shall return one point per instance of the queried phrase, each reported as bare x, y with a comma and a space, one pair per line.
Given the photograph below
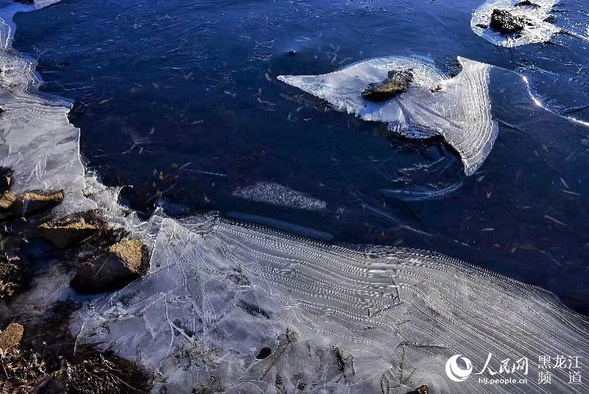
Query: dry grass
90, 373
21, 372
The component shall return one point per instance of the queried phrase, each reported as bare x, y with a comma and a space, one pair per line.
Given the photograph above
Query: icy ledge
458, 109
333, 319
240, 308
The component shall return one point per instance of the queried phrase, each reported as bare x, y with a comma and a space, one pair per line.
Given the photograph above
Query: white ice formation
537, 12
333, 319
280, 195
458, 108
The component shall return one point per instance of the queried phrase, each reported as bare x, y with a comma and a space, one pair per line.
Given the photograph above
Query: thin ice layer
536, 31
37, 141
218, 292
42, 148
280, 195
458, 109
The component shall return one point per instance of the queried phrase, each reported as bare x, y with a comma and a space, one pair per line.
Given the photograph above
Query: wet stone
396, 83
124, 262
28, 203
10, 338
527, 3
505, 22
34, 201
67, 232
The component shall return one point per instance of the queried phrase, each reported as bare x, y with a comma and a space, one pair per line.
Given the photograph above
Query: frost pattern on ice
458, 109
538, 31
219, 291
280, 195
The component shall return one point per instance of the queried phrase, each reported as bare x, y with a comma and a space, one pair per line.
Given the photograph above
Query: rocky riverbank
37, 349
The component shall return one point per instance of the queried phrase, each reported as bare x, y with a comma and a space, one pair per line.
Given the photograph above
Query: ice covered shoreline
219, 292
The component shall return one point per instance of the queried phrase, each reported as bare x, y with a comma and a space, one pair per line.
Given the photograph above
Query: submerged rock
67, 232
10, 338
506, 23
124, 262
396, 83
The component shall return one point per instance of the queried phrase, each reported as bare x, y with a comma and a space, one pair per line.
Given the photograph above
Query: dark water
180, 100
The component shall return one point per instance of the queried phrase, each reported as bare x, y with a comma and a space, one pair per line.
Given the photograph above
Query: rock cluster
101, 260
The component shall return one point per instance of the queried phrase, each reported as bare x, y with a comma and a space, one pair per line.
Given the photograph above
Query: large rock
33, 201
66, 232
396, 83
10, 338
124, 262
28, 203
505, 22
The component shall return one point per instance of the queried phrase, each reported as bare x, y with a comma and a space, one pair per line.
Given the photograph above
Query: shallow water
181, 101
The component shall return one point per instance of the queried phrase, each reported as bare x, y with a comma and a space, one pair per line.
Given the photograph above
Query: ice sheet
220, 291
458, 109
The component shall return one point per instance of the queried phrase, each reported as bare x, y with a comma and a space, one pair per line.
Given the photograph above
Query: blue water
179, 101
